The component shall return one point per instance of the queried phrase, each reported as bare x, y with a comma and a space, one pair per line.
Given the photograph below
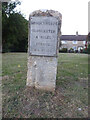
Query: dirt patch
38, 103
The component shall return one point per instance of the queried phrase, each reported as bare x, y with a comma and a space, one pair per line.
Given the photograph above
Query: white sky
74, 13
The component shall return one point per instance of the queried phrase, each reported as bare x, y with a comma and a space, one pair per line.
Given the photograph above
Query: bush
71, 50
63, 50
87, 51
76, 51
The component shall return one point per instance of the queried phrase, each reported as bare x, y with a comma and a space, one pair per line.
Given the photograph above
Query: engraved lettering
43, 31
43, 36
44, 23
36, 36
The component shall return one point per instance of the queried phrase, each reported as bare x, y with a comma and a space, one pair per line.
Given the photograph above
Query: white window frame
64, 42
84, 42
74, 42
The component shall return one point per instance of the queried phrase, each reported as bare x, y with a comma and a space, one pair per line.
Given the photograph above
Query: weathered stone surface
43, 36
42, 66
42, 72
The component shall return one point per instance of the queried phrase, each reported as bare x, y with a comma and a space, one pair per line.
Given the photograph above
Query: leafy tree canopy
14, 28
8, 7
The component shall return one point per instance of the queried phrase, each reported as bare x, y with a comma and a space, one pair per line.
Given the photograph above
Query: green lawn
70, 100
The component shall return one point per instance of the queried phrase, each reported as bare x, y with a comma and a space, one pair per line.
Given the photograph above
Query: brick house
76, 42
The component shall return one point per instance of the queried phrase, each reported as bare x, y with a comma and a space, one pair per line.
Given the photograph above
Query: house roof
73, 37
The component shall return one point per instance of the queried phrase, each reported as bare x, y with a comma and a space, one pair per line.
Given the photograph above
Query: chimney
76, 33
61, 33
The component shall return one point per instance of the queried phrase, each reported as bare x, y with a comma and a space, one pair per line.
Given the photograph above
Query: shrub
71, 50
63, 50
87, 51
76, 51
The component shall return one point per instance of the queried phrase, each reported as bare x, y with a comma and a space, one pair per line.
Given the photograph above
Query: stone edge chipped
47, 13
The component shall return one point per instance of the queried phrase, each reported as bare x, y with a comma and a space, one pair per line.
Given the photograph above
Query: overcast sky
74, 13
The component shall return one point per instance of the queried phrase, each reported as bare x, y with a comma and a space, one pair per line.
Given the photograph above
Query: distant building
76, 42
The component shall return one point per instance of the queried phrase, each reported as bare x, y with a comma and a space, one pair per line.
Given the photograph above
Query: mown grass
0, 86
70, 100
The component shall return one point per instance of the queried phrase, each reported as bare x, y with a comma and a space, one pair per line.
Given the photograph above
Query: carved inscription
43, 36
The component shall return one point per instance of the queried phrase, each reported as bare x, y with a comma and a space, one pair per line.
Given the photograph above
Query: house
75, 42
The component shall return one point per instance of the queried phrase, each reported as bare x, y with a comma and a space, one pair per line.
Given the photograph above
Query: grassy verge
70, 99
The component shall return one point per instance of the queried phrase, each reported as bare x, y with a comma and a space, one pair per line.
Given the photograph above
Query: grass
70, 100
0, 86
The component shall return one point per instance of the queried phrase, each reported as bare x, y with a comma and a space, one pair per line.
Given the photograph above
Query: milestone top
44, 32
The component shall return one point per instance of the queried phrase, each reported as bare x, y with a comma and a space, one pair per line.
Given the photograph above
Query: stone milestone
43, 44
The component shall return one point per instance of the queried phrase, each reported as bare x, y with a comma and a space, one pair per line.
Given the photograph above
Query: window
64, 42
84, 42
74, 42
74, 47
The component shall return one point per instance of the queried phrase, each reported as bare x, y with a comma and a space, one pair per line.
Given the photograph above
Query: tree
17, 33
87, 49
8, 7
88, 40
88, 37
14, 29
